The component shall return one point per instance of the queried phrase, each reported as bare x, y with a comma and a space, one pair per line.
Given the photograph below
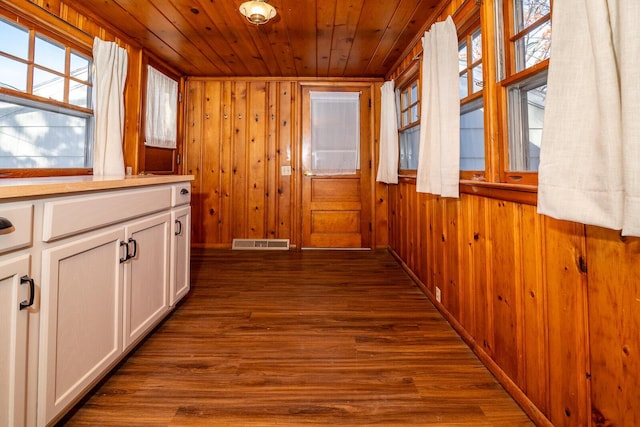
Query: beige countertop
12, 188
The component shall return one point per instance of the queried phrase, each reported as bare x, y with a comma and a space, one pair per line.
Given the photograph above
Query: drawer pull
135, 248
32, 292
184, 191
126, 254
5, 223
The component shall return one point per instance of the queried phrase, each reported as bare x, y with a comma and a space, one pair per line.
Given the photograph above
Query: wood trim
43, 172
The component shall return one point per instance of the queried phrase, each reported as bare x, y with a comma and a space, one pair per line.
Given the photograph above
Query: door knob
308, 173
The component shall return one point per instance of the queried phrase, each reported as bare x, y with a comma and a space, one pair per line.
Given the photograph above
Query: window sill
518, 193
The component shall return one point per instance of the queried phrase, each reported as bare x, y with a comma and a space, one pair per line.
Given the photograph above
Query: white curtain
110, 73
161, 118
388, 166
439, 153
590, 154
335, 133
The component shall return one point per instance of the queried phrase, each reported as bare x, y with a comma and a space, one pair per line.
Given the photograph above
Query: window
335, 132
46, 119
161, 118
529, 47
409, 122
472, 157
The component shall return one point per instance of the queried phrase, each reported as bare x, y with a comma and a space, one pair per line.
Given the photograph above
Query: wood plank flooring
300, 338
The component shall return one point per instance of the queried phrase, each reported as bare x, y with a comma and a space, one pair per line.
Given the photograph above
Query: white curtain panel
439, 153
388, 166
110, 73
161, 118
590, 153
335, 133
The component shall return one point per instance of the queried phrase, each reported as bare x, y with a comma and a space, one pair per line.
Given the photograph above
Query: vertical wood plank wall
553, 307
238, 135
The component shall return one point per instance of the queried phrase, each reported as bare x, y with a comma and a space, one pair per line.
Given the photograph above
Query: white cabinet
108, 264
180, 254
81, 318
105, 286
180, 246
16, 290
146, 287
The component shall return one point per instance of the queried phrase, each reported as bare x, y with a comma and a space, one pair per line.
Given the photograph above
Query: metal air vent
260, 244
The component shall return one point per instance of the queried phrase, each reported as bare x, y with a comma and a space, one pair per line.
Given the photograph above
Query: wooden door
336, 207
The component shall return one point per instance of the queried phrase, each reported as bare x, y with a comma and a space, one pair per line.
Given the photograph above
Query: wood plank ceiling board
308, 38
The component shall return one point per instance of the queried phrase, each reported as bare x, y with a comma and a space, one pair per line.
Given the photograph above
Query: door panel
336, 207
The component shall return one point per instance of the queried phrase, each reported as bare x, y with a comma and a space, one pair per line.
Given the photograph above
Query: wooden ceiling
308, 38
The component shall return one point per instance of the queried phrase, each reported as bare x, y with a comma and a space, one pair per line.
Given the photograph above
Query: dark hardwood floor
300, 338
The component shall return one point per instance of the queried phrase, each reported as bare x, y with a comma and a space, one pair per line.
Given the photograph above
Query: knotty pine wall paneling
513, 284
613, 264
239, 133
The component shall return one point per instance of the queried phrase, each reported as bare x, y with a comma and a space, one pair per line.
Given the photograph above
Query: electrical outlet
438, 295
285, 170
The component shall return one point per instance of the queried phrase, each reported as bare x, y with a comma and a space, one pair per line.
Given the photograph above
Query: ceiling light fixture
257, 11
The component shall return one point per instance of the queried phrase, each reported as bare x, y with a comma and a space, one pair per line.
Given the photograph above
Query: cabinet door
13, 341
180, 254
146, 286
81, 318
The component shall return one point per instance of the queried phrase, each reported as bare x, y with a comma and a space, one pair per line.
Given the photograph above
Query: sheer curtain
589, 161
439, 153
335, 132
110, 73
161, 110
388, 166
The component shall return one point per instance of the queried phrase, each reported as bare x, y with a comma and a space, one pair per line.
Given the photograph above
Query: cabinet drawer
20, 234
71, 216
181, 194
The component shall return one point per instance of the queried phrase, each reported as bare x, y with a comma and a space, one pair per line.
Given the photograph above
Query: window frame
470, 26
28, 99
404, 83
514, 79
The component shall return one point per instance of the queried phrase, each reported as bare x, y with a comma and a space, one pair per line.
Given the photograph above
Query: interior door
336, 168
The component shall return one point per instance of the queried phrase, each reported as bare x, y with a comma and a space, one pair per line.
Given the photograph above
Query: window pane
476, 46
79, 67
414, 92
414, 114
472, 138
35, 138
405, 99
409, 145
48, 85
13, 75
335, 132
405, 118
477, 79
533, 47
14, 40
526, 115
462, 56
79, 94
529, 11
49, 55
464, 85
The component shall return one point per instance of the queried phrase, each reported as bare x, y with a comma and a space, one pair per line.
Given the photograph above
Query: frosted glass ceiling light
258, 11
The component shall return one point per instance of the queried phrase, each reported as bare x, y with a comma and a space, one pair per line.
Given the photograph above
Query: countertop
12, 188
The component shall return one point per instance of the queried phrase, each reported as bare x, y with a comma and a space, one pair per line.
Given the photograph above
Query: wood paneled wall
239, 133
553, 307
